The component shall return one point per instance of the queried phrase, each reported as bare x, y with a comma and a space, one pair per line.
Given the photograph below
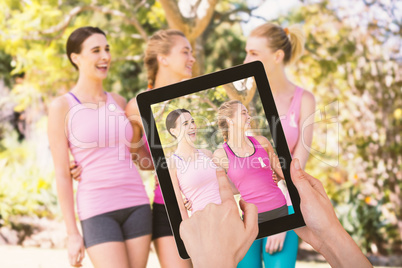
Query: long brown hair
172, 118
76, 38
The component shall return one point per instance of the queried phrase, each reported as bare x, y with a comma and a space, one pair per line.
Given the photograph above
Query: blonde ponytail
297, 40
161, 42
289, 40
226, 111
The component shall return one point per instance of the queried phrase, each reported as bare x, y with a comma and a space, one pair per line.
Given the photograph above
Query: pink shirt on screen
252, 177
197, 181
98, 140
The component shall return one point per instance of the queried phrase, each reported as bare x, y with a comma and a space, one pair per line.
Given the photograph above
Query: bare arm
306, 125
323, 231
207, 228
207, 153
220, 159
59, 149
176, 188
273, 158
138, 148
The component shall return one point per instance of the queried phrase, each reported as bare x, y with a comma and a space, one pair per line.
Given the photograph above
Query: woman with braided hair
168, 60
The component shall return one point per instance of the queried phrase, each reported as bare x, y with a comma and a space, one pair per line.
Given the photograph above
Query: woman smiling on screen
192, 171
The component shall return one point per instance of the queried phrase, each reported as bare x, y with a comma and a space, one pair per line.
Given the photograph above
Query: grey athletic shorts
273, 214
160, 222
118, 225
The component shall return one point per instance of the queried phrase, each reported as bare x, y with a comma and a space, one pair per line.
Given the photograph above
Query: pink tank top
290, 121
98, 140
252, 177
197, 181
158, 198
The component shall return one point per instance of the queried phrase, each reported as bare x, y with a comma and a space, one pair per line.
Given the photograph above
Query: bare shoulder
132, 107
207, 152
220, 158
120, 100
59, 106
171, 163
308, 99
262, 140
219, 153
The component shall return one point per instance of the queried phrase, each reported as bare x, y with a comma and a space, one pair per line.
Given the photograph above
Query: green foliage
5, 68
359, 96
26, 182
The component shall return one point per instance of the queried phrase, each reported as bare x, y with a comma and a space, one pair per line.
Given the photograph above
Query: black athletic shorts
118, 225
160, 222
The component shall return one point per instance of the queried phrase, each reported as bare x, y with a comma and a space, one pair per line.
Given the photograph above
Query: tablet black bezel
255, 69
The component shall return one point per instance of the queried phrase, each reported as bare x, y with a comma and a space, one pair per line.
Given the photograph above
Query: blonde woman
250, 162
168, 59
276, 48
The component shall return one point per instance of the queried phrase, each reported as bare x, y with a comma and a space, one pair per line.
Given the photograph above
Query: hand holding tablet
210, 244
323, 231
209, 241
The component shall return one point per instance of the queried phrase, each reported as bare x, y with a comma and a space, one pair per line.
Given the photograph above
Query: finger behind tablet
224, 187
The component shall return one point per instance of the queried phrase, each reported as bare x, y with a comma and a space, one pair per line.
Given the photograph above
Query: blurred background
352, 64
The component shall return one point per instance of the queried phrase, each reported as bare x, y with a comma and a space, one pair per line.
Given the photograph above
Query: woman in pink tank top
192, 171
277, 47
250, 162
112, 204
168, 59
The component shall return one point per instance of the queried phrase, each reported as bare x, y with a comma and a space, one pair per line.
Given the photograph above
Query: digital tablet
194, 126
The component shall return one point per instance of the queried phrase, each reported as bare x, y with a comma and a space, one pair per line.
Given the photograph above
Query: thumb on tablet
250, 217
304, 182
225, 189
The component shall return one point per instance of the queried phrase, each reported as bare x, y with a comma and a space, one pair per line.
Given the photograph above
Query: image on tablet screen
226, 127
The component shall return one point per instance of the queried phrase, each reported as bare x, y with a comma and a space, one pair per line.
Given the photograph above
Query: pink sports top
290, 122
197, 180
252, 177
158, 198
98, 139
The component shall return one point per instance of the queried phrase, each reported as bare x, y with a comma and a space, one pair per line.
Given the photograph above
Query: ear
174, 132
279, 56
229, 121
75, 58
162, 60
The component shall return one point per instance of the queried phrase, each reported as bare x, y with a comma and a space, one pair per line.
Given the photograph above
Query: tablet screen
224, 119
219, 127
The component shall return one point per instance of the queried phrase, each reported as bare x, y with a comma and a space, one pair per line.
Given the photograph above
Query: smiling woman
192, 171
168, 59
112, 204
